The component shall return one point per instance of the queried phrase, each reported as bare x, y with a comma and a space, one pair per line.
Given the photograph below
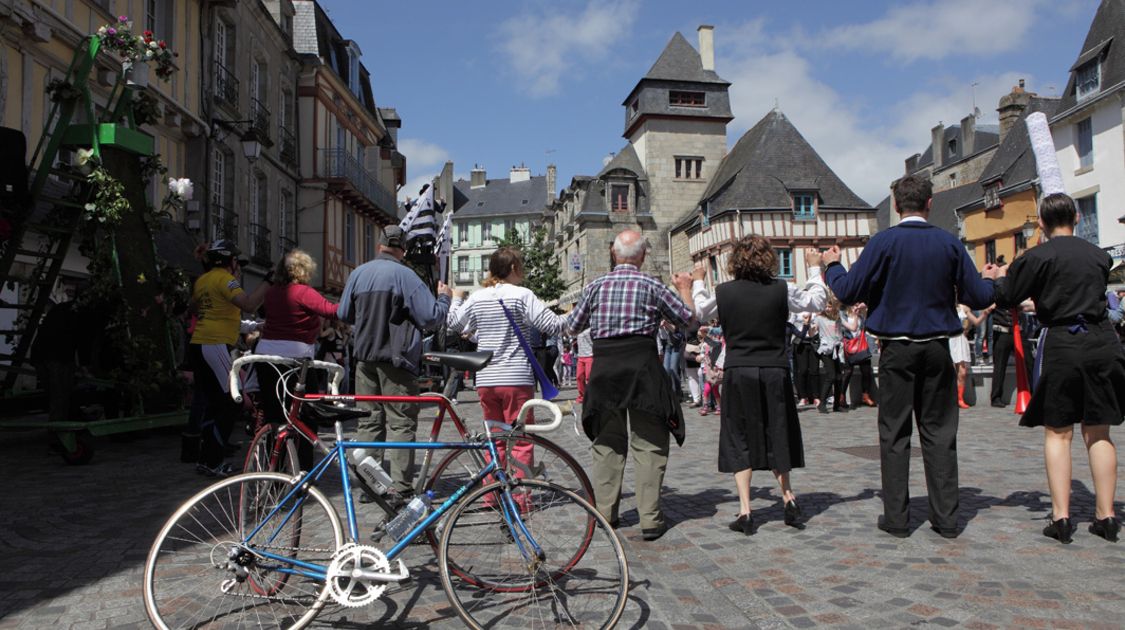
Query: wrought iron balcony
226, 85
288, 146
286, 245
259, 117
260, 245
224, 223
343, 169
466, 277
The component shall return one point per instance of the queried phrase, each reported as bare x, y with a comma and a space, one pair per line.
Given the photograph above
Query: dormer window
619, 197
804, 206
952, 147
633, 107
686, 99
992, 199
1088, 79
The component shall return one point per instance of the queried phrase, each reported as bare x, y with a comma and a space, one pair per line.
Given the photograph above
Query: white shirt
812, 298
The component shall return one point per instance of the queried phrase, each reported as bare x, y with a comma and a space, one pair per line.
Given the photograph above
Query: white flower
148, 54
84, 156
101, 31
181, 188
154, 45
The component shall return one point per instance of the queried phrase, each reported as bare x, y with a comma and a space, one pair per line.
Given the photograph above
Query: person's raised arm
851, 286
313, 302
975, 290
249, 302
541, 317
814, 296
579, 318
705, 303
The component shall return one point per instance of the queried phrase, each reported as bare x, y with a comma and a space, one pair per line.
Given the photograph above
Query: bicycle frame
509, 510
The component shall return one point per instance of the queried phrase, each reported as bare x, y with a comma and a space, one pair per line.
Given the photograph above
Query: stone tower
676, 120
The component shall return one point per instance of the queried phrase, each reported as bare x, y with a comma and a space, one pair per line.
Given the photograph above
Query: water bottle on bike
411, 515
372, 472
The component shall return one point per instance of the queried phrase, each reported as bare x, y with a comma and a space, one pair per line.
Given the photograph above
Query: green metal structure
72, 123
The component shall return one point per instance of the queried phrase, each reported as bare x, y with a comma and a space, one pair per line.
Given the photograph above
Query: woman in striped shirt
508, 381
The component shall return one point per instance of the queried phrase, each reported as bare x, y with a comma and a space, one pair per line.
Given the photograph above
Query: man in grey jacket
390, 306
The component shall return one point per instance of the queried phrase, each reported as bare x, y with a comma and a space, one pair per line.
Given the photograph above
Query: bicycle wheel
260, 453
579, 579
550, 463
201, 574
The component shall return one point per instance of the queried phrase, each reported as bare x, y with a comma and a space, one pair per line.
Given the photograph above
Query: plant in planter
146, 109
136, 49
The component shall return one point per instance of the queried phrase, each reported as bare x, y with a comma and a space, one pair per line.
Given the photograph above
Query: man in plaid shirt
629, 400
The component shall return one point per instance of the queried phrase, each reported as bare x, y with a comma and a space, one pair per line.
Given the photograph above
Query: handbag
855, 348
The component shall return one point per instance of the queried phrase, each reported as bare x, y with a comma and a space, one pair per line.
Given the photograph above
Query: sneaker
222, 470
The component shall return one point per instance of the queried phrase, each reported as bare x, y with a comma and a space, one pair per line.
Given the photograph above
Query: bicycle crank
358, 575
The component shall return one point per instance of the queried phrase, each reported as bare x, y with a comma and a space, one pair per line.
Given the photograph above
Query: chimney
477, 178
937, 144
912, 163
1012, 106
519, 174
968, 135
552, 179
707, 46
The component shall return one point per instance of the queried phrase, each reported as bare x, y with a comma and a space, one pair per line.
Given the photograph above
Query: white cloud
541, 47
424, 158
866, 153
941, 28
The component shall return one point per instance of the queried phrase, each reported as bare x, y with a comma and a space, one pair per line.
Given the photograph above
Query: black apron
627, 374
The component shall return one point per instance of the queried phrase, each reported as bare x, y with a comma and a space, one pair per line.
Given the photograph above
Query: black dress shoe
744, 523
998, 403
1061, 530
793, 514
615, 523
897, 532
946, 532
1107, 528
654, 534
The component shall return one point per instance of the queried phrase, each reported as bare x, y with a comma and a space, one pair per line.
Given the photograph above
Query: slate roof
1105, 39
883, 214
1014, 162
680, 61
943, 212
767, 163
627, 159
986, 136
500, 197
315, 34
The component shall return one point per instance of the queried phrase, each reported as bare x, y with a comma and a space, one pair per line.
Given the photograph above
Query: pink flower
123, 19
111, 31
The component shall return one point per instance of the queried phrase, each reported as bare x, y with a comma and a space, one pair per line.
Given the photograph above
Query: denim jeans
673, 360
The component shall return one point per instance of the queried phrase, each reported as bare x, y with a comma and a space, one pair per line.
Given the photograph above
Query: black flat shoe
897, 532
1061, 530
744, 523
1107, 528
793, 514
654, 534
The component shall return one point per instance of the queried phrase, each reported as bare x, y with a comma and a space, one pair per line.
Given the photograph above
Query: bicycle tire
259, 454
591, 566
187, 559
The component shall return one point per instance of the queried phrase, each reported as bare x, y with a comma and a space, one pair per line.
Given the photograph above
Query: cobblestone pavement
73, 539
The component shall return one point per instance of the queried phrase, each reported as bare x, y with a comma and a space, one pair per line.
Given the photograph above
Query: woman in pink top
293, 312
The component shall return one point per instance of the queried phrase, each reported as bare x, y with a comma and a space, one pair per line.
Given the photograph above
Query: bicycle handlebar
529, 406
336, 370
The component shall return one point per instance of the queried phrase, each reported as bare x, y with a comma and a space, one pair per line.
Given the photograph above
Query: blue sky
539, 82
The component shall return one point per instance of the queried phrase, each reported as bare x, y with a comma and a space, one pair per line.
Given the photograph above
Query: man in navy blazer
912, 276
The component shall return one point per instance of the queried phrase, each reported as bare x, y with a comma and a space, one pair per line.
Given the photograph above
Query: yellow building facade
991, 234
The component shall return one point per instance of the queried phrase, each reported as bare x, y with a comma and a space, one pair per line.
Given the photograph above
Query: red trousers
503, 403
585, 364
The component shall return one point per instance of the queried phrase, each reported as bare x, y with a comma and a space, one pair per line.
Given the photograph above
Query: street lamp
251, 139
1029, 228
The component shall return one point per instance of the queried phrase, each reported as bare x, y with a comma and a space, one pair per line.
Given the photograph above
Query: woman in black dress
759, 429
1080, 366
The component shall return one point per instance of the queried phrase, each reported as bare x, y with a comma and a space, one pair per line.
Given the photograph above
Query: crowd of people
755, 351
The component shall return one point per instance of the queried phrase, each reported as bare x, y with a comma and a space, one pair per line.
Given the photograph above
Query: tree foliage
542, 272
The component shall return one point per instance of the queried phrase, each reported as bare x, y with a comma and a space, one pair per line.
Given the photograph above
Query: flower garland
119, 38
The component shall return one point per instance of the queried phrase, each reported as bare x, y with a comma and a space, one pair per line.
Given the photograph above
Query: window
689, 168
256, 89
158, 19
633, 108
1087, 219
1085, 143
953, 179
260, 203
218, 176
462, 235
1020, 242
484, 261
287, 24
686, 99
992, 198
1088, 79
714, 263
462, 264
784, 262
287, 232
953, 147
804, 206
349, 237
486, 231
619, 197
509, 225
990, 251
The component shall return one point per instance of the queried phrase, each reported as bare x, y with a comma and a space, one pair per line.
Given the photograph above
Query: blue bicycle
269, 549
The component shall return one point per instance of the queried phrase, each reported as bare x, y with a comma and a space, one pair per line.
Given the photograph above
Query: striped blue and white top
481, 314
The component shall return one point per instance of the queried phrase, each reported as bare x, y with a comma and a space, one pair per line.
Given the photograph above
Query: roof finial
776, 104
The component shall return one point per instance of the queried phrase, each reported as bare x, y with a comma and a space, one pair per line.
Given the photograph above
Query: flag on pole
445, 246
420, 222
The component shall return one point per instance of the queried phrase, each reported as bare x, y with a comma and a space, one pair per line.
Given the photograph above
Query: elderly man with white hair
629, 400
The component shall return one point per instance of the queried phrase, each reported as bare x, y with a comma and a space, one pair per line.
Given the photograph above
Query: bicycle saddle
472, 361
325, 413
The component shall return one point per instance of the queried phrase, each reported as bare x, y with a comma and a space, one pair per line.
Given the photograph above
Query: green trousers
647, 436
389, 422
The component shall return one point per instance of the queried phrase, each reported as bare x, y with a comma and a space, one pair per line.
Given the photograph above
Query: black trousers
857, 387
917, 382
1003, 347
831, 381
273, 411
807, 370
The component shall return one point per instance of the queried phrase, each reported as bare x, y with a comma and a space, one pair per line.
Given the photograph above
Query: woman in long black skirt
1080, 365
759, 429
